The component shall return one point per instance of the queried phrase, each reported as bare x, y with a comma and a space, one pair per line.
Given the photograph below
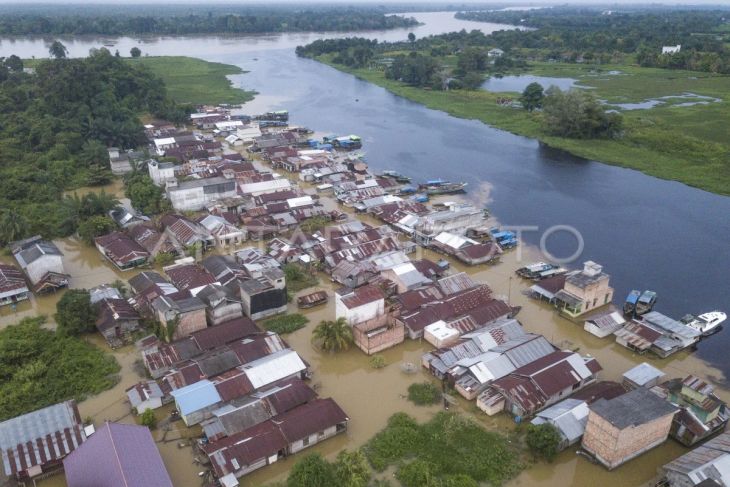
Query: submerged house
539, 384
187, 314
701, 413
274, 439
12, 285
569, 417
708, 465
145, 395
116, 321
584, 291
197, 194
605, 324
373, 328
121, 250
36, 442
626, 426
42, 262
657, 333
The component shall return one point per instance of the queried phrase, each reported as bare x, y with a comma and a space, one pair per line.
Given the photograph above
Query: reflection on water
519, 83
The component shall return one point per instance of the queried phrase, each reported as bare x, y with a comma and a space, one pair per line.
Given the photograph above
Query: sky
374, 2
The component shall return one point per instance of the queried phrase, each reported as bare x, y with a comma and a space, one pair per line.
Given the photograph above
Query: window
605, 301
305, 441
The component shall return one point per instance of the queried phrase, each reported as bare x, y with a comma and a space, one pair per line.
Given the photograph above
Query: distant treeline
214, 21
588, 34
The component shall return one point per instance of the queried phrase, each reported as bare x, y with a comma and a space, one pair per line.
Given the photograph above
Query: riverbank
193, 80
682, 144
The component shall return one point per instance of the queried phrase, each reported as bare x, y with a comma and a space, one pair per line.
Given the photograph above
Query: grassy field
687, 144
191, 80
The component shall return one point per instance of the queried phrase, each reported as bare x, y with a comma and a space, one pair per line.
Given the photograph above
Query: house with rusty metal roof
267, 442
656, 333
121, 250
702, 414
186, 233
539, 383
36, 442
116, 321
117, 455
13, 287
189, 276
187, 313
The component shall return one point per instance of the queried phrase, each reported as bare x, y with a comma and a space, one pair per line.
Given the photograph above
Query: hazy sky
374, 2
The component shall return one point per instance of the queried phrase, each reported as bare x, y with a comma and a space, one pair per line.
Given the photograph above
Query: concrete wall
593, 296
190, 322
48, 263
612, 446
359, 314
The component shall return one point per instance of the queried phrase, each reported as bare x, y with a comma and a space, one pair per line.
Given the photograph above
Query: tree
532, 97
312, 471
135, 52
578, 114
13, 226
57, 50
74, 313
333, 336
472, 80
94, 152
351, 469
411, 37
14, 63
147, 418
95, 226
144, 195
543, 440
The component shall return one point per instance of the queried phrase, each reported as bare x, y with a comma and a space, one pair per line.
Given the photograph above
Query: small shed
643, 375
145, 395
440, 335
604, 324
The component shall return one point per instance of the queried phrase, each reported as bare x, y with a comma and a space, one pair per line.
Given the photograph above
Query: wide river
648, 233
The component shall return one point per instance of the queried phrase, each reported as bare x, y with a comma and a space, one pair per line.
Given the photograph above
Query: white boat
706, 323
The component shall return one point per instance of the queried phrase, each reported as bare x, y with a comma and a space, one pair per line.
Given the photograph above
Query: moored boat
504, 238
630, 302
400, 178
439, 186
706, 323
646, 302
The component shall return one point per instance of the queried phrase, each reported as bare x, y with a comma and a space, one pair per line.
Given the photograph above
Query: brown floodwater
370, 396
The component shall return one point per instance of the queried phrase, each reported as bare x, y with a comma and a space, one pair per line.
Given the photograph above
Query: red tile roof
11, 279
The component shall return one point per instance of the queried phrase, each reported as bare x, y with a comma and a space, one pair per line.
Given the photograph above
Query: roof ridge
116, 454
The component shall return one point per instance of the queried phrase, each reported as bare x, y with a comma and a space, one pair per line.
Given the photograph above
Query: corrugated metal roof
196, 396
274, 367
643, 374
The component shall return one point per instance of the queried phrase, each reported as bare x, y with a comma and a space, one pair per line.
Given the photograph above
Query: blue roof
196, 396
632, 297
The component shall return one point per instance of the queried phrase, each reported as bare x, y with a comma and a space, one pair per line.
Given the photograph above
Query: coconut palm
12, 226
333, 336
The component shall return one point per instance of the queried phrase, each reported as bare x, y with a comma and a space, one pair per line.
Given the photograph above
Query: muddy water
370, 396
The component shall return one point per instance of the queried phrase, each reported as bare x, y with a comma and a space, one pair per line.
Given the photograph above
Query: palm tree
333, 336
12, 226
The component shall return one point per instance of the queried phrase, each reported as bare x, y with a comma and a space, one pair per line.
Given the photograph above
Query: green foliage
532, 97
286, 323
57, 50
55, 126
95, 226
424, 393
74, 313
578, 114
135, 52
351, 469
377, 361
543, 440
163, 259
144, 195
312, 471
333, 336
13, 226
314, 224
147, 418
415, 69
472, 80
298, 278
39, 367
445, 451
472, 59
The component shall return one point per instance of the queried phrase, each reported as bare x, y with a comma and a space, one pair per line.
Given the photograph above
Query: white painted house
359, 305
197, 194
671, 49
161, 172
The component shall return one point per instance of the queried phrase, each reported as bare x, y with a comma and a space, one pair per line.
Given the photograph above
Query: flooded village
425, 280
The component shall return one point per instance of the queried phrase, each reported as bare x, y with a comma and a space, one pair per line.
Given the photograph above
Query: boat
504, 238
540, 270
630, 303
645, 303
397, 176
439, 186
311, 300
420, 198
706, 323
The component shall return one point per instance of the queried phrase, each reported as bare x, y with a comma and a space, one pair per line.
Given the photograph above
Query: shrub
147, 418
312, 471
286, 323
543, 440
424, 393
74, 313
377, 361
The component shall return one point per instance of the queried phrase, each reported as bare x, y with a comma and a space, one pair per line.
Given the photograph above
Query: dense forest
589, 34
215, 20
56, 123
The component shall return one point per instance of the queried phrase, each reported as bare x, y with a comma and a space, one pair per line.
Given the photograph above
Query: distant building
671, 49
117, 455
122, 162
42, 262
161, 172
626, 426
36, 442
584, 291
496, 52
196, 194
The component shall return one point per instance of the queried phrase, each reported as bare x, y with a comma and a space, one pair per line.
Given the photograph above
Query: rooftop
633, 408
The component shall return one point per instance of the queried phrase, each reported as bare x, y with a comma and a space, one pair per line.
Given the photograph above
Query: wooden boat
439, 186
645, 303
397, 176
630, 303
312, 299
